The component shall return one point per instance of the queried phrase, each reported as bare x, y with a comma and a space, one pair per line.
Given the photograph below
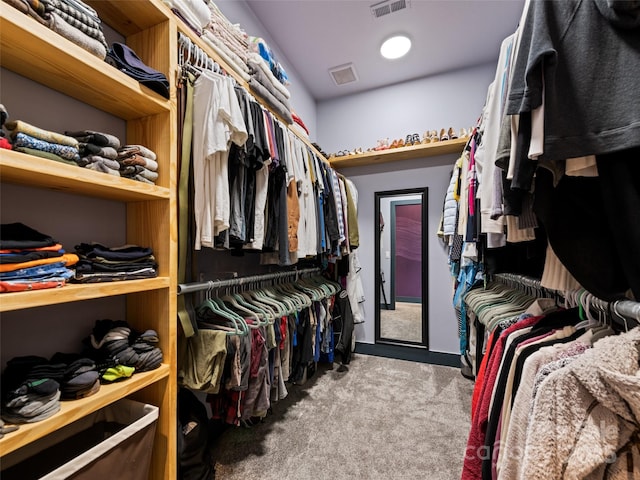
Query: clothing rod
211, 284
625, 308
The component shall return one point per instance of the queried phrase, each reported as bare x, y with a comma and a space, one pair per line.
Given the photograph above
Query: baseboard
408, 353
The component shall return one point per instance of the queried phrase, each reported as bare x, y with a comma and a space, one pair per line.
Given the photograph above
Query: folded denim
127, 61
96, 138
64, 151
38, 273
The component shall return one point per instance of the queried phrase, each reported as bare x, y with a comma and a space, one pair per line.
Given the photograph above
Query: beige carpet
383, 419
403, 323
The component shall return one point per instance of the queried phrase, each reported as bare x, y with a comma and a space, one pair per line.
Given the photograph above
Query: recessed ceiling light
395, 47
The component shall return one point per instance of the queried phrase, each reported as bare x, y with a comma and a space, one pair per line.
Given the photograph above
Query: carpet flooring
403, 323
383, 419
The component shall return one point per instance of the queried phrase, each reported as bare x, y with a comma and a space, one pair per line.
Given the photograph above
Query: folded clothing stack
115, 345
72, 19
138, 163
258, 45
98, 151
231, 34
30, 260
298, 121
126, 60
108, 264
228, 40
28, 396
194, 13
264, 85
4, 141
36, 141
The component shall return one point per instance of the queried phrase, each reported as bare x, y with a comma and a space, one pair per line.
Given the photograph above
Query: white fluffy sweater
586, 416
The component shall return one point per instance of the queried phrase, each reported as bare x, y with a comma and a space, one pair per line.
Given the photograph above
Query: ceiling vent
343, 74
388, 6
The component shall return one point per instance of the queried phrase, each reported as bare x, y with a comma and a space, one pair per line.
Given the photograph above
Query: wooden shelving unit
398, 154
39, 54
74, 410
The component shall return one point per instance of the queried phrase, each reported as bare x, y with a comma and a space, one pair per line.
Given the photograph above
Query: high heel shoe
443, 135
452, 133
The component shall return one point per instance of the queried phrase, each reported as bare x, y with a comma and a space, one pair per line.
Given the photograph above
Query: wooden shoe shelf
398, 154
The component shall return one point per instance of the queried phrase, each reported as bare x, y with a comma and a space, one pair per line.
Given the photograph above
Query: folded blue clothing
40, 272
126, 60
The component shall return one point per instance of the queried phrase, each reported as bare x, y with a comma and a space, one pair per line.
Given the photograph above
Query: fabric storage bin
112, 443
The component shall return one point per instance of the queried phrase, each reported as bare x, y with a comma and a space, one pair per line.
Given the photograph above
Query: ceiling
316, 35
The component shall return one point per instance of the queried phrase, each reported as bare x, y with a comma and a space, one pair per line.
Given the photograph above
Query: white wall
453, 99
302, 102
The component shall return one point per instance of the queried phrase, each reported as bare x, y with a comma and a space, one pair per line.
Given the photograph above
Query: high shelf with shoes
421, 150
31, 50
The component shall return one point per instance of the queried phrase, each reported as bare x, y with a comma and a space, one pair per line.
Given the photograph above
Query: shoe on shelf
416, 139
443, 135
400, 143
452, 133
408, 141
434, 136
463, 133
426, 137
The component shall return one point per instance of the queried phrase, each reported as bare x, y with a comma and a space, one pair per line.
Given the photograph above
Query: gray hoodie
583, 58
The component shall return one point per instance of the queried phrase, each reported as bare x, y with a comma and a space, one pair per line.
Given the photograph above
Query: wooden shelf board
36, 52
72, 410
128, 17
29, 170
75, 292
398, 154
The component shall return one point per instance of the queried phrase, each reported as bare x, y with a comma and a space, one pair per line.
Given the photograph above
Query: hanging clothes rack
231, 282
626, 309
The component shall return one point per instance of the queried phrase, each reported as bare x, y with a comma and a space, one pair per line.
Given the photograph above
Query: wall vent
387, 7
343, 74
